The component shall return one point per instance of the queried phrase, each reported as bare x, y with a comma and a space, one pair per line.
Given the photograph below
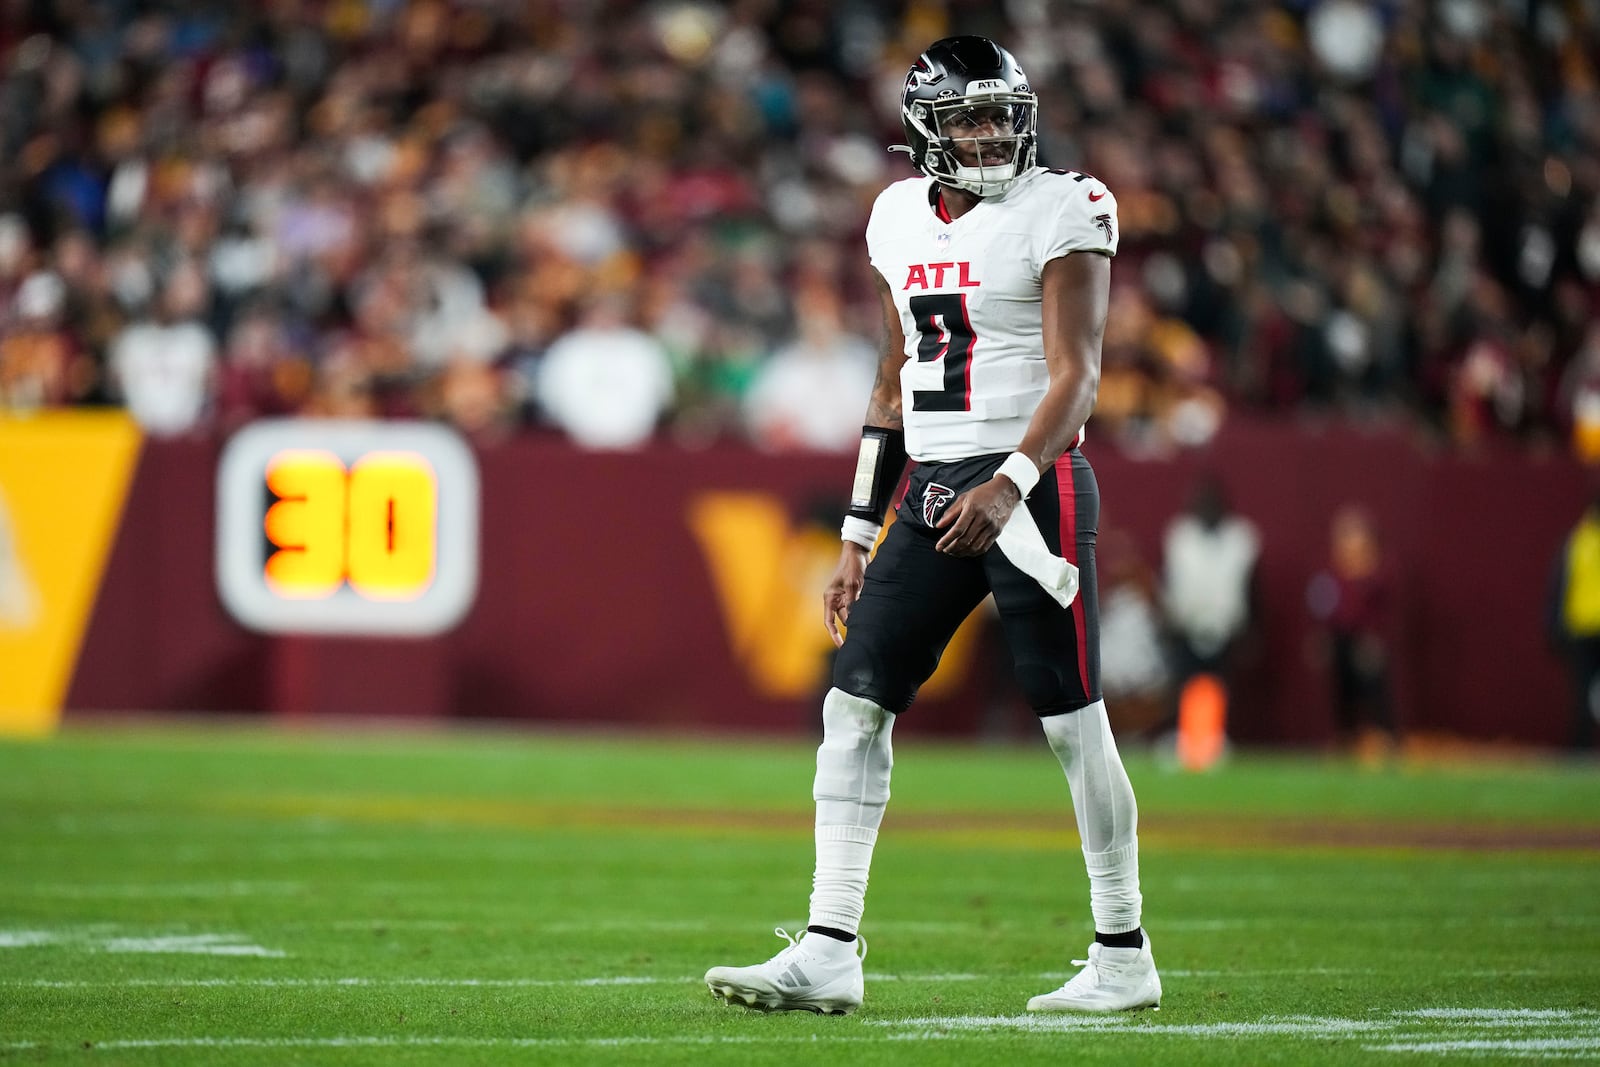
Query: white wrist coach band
860, 531
1020, 469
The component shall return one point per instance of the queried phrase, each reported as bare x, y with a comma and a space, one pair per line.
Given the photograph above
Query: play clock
347, 527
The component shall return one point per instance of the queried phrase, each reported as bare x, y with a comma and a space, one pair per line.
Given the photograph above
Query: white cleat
1112, 979
816, 973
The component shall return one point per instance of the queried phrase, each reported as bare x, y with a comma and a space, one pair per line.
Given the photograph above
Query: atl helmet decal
934, 499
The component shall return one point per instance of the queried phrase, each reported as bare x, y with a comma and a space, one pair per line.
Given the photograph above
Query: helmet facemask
980, 142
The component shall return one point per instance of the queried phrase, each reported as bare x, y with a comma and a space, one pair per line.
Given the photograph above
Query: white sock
1108, 817
851, 791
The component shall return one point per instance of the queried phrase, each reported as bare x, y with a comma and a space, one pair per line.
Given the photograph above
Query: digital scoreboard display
347, 527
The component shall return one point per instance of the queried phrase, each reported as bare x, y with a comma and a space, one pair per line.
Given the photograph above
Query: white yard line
159, 890
509, 983
1435, 1031
1502, 1016
337, 983
26, 938
98, 939
1309, 1026
455, 1042
1532, 1048
192, 945
1464, 1017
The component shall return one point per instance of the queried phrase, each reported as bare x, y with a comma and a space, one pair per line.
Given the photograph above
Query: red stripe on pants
1069, 550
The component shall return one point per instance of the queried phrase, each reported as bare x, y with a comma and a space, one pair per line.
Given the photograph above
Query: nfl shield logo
943, 241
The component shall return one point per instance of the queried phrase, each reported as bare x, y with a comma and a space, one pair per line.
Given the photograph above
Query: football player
995, 276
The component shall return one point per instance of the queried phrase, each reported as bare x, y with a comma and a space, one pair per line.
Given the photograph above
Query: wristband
878, 469
860, 532
1023, 474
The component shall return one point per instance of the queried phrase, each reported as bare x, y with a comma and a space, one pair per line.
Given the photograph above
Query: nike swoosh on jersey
1096, 196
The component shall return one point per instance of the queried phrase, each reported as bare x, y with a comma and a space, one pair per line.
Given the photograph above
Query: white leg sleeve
851, 791
1108, 818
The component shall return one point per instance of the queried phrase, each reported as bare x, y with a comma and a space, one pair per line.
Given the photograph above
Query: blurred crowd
616, 219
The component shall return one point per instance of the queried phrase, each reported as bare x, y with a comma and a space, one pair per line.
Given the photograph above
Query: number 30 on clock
359, 528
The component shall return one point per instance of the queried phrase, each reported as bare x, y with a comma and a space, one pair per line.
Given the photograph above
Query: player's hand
843, 589
973, 522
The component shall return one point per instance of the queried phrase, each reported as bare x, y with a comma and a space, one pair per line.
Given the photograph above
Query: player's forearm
883, 407
885, 412
1060, 416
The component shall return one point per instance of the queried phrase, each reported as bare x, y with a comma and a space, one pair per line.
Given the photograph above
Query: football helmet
970, 116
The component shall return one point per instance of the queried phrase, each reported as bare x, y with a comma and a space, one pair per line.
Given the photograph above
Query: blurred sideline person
1351, 598
1574, 619
995, 276
1135, 672
1208, 573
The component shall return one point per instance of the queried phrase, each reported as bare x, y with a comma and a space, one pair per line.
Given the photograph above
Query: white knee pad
1102, 796
851, 791
853, 762
1108, 817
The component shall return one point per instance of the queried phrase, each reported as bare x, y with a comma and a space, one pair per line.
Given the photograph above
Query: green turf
509, 897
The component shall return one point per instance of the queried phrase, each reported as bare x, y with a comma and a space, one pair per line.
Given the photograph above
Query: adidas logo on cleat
830, 983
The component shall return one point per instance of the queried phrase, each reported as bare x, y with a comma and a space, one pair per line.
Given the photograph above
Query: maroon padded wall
596, 604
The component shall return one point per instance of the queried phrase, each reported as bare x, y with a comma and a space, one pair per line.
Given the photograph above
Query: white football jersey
969, 295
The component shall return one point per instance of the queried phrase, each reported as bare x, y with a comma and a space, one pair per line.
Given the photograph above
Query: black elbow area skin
886, 473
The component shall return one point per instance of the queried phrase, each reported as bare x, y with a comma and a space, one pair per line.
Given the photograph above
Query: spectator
165, 368
1351, 598
40, 363
606, 384
1364, 210
806, 394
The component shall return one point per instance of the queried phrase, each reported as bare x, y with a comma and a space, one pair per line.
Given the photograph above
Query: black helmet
954, 91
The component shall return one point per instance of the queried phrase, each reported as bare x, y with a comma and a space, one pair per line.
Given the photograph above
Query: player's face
972, 127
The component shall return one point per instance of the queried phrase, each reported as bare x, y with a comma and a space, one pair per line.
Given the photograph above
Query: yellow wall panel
64, 478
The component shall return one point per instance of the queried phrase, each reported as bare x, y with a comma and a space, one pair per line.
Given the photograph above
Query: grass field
202, 895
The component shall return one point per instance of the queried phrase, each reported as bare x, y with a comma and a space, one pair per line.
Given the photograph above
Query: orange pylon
1202, 722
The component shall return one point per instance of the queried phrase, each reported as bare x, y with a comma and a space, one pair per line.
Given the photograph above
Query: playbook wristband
1023, 474
879, 465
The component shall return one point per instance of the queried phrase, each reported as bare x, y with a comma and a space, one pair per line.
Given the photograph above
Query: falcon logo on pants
934, 500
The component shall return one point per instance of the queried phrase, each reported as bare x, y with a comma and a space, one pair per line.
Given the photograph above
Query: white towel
1024, 546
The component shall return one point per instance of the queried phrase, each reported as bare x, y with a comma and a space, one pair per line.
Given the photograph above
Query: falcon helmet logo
934, 499
921, 73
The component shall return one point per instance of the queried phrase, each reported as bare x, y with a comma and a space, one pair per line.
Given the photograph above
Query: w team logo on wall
768, 573
934, 500
64, 482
